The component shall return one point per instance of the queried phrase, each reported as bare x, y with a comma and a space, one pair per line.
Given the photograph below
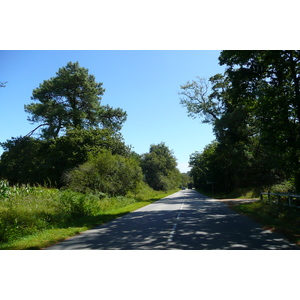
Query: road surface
184, 220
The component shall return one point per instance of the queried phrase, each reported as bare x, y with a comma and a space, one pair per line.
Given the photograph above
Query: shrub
106, 173
28, 212
283, 187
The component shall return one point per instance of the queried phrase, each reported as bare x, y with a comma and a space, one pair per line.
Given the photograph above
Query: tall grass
25, 211
28, 210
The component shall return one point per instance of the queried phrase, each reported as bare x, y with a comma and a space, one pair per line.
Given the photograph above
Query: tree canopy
36, 161
72, 99
254, 108
159, 168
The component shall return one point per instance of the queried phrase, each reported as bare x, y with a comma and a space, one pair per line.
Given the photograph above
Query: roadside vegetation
36, 217
282, 219
254, 109
74, 171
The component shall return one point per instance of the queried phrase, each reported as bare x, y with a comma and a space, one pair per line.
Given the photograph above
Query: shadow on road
187, 220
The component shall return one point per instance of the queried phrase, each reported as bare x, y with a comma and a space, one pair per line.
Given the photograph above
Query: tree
254, 108
186, 180
159, 168
207, 168
22, 160
272, 78
71, 100
197, 101
36, 161
229, 119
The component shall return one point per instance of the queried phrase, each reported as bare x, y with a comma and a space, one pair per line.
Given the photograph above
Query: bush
283, 187
28, 212
106, 173
35, 161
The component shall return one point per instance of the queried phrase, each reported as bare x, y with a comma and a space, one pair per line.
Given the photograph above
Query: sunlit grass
40, 217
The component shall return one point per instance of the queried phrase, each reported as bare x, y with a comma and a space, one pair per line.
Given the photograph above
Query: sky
143, 83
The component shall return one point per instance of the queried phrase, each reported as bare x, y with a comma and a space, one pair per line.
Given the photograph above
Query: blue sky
143, 83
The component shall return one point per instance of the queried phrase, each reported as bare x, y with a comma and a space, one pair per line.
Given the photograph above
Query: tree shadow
192, 222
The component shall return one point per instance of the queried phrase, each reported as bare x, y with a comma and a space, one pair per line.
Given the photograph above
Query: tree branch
32, 131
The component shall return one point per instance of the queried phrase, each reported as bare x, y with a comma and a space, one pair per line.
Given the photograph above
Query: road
185, 220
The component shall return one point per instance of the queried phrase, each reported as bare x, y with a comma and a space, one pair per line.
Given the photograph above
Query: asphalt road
184, 220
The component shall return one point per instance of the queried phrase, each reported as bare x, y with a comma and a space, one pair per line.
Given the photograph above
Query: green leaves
29, 160
255, 112
106, 173
197, 102
72, 99
159, 168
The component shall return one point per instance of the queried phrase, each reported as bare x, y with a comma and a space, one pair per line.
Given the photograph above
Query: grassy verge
37, 218
280, 219
238, 193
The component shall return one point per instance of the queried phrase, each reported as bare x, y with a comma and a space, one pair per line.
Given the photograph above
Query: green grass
38, 217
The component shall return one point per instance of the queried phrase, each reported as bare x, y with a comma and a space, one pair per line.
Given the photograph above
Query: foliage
106, 173
197, 102
159, 168
71, 100
144, 192
36, 161
185, 179
283, 187
7, 191
69, 151
23, 159
255, 112
35, 217
271, 80
30, 211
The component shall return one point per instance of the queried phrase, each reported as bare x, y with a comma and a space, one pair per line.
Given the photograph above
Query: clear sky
143, 83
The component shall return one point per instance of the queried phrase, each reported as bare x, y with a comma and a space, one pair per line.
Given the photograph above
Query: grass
34, 218
238, 193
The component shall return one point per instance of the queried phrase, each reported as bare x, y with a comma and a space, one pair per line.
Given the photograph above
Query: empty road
185, 220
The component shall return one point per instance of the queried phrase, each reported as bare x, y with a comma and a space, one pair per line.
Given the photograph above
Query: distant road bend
184, 220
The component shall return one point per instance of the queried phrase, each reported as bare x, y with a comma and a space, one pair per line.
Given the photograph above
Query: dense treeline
254, 108
77, 143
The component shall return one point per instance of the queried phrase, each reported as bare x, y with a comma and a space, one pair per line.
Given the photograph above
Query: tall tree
216, 102
272, 77
195, 97
72, 99
159, 168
